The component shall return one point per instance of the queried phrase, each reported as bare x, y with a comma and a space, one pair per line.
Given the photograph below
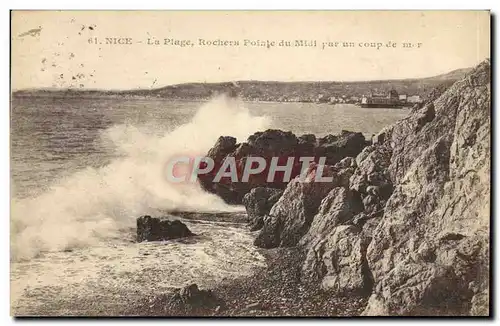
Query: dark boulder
291, 217
337, 147
158, 229
191, 300
258, 202
222, 147
267, 145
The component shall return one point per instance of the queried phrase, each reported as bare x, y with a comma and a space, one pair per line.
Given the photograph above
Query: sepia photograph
250, 163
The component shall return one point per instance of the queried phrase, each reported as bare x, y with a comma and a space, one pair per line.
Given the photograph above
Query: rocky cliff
406, 221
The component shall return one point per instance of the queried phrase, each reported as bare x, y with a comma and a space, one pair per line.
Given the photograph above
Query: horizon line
231, 81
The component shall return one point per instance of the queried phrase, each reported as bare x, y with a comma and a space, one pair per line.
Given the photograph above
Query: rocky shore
402, 230
273, 291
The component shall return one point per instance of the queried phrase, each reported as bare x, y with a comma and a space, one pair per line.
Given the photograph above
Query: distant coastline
260, 91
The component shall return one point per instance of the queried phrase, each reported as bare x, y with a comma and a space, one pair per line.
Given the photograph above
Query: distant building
354, 99
322, 98
414, 99
381, 100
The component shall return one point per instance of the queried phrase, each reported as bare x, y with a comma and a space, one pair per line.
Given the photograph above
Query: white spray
92, 205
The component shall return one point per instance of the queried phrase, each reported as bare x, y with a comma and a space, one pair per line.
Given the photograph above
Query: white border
211, 5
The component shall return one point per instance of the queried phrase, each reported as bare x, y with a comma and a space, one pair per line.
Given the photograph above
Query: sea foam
94, 204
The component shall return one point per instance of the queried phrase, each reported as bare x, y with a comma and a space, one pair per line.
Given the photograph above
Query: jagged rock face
157, 229
432, 241
338, 207
258, 202
371, 179
407, 218
222, 147
274, 143
335, 252
409, 283
291, 217
337, 147
342, 268
480, 304
339, 262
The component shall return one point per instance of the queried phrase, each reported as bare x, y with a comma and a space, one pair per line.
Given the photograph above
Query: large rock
432, 241
290, 218
371, 179
338, 207
338, 261
417, 289
157, 229
258, 202
222, 147
337, 147
190, 299
274, 143
336, 251
372, 164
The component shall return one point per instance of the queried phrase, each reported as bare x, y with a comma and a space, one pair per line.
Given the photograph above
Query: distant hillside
267, 90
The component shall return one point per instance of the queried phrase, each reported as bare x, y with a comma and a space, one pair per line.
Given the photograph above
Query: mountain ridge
296, 91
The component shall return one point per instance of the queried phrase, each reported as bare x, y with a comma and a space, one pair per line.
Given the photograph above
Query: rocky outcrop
274, 143
158, 229
432, 240
291, 217
191, 300
405, 221
337, 261
258, 202
371, 179
339, 206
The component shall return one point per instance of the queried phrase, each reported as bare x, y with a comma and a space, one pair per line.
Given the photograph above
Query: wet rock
191, 299
291, 217
307, 145
222, 147
258, 202
157, 229
274, 143
337, 147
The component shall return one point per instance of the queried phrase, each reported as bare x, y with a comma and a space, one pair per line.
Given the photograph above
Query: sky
59, 49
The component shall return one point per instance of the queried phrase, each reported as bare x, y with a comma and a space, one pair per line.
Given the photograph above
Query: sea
83, 170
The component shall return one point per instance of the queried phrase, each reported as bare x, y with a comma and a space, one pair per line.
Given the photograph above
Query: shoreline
108, 280
272, 291
194, 100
